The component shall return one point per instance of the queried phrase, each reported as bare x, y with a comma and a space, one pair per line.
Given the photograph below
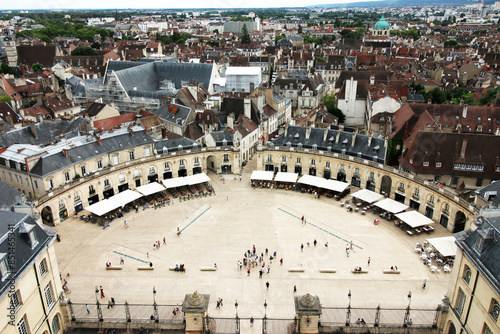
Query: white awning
150, 188
175, 182
197, 178
311, 180
367, 196
262, 175
324, 183
391, 205
414, 218
103, 207
445, 245
286, 177
125, 197
335, 185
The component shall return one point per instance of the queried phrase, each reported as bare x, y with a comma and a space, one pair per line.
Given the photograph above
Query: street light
349, 296
407, 313
236, 306
409, 298
348, 315
154, 295
265, 308
96, 293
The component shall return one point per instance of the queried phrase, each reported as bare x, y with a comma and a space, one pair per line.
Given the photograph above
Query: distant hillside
401, 3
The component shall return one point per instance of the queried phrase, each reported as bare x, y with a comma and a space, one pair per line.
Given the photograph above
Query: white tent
323, 183
414, 218
103, 207
262, 175
445, 245
125, 197
175, 182
286, 177
391, 205
312, 180
367, 196
150, 188
197, 178
335, 185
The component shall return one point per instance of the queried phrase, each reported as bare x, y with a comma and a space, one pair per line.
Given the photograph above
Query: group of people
157, 243
251, 260
358, 268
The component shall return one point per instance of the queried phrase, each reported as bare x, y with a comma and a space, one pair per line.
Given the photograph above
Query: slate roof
47, 132
49, 164
493, 189
296, 135
24, 253
10, 195
173, 113
219, 137
172, 145
95, 108
487, 261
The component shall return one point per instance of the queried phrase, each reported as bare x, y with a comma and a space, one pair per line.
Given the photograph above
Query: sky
125, 4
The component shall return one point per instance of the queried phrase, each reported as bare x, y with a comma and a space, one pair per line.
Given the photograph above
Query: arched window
494, 309
55, 324
467, 274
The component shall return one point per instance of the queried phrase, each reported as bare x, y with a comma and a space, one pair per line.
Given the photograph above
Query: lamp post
348, 315
407, 313
154, 295
98, 305
236, 307
96, 293
265, 308
237, 319
264, 321
155, 308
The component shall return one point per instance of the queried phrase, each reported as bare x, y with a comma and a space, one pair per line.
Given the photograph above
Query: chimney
429, 101
308, 132
464, 111
99, 141
163, 132
325, 135
372, 80
33, 129
286, 129
2, 128
370, 139
337, 137
353, 141
247, 107
230, 121
464, 147
65, 152
497, 132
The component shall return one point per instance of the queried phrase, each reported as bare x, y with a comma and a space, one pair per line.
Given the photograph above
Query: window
411, 161
4, 269
49, 298
20, 180
121, 178
91, 189
116, 160
167, 166
66, 176
283, 159
42, 267
356, 171
147, 152
55, 325
487, 330
459, 307
196, 161
494, 310
151, 169
431, 199
106, 183
36, 184
182, 164
99, 164
417, 192
17, 179
269, 158
298, 161
131, 154
327, 164
84, 171
313, 162
77, 196
22, 328
15, 300
401, 187
342, 168
137, 173
426, 164
372, 175
467, 274
226, 157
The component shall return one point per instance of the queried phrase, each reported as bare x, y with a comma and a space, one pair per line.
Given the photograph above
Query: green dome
382, 24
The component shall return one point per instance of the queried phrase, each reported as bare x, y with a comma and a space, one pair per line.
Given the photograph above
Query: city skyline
196, 4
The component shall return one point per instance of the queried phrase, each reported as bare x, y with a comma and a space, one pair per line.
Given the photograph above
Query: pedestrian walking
125, 224
102, 291
301, 247
121, 260
369, 260
251, 321
266, 251
294, 288
109, 304
425, 283
218, 304
268, 269
248, 271
87, 308
281, 262
350, 246
302, 220
113, 301
326, 245
315, 242
347, 253
274, 254
260, 273
240, 178
267, 285
164, 241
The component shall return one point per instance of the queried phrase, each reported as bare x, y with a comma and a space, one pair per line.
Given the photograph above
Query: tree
5, 98
245, 37
330, 103
436, 95
6, 69
95, 45
84, 51
300, 29
36, 67
216, 31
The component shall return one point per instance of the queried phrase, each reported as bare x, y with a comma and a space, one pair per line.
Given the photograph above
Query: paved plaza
220, 229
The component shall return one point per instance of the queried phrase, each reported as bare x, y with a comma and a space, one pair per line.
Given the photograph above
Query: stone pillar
307, 312
195, 309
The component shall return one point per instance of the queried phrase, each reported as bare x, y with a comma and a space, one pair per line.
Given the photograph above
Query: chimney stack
464, 111
163, 133
2, 128
464, 148
308, 132
353, 141
230, 121
325, 135
65, 152
372, 80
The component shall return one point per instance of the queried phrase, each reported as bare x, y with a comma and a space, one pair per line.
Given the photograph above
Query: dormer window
4, 268
411, 161
483, 239
439, 164
425, 164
